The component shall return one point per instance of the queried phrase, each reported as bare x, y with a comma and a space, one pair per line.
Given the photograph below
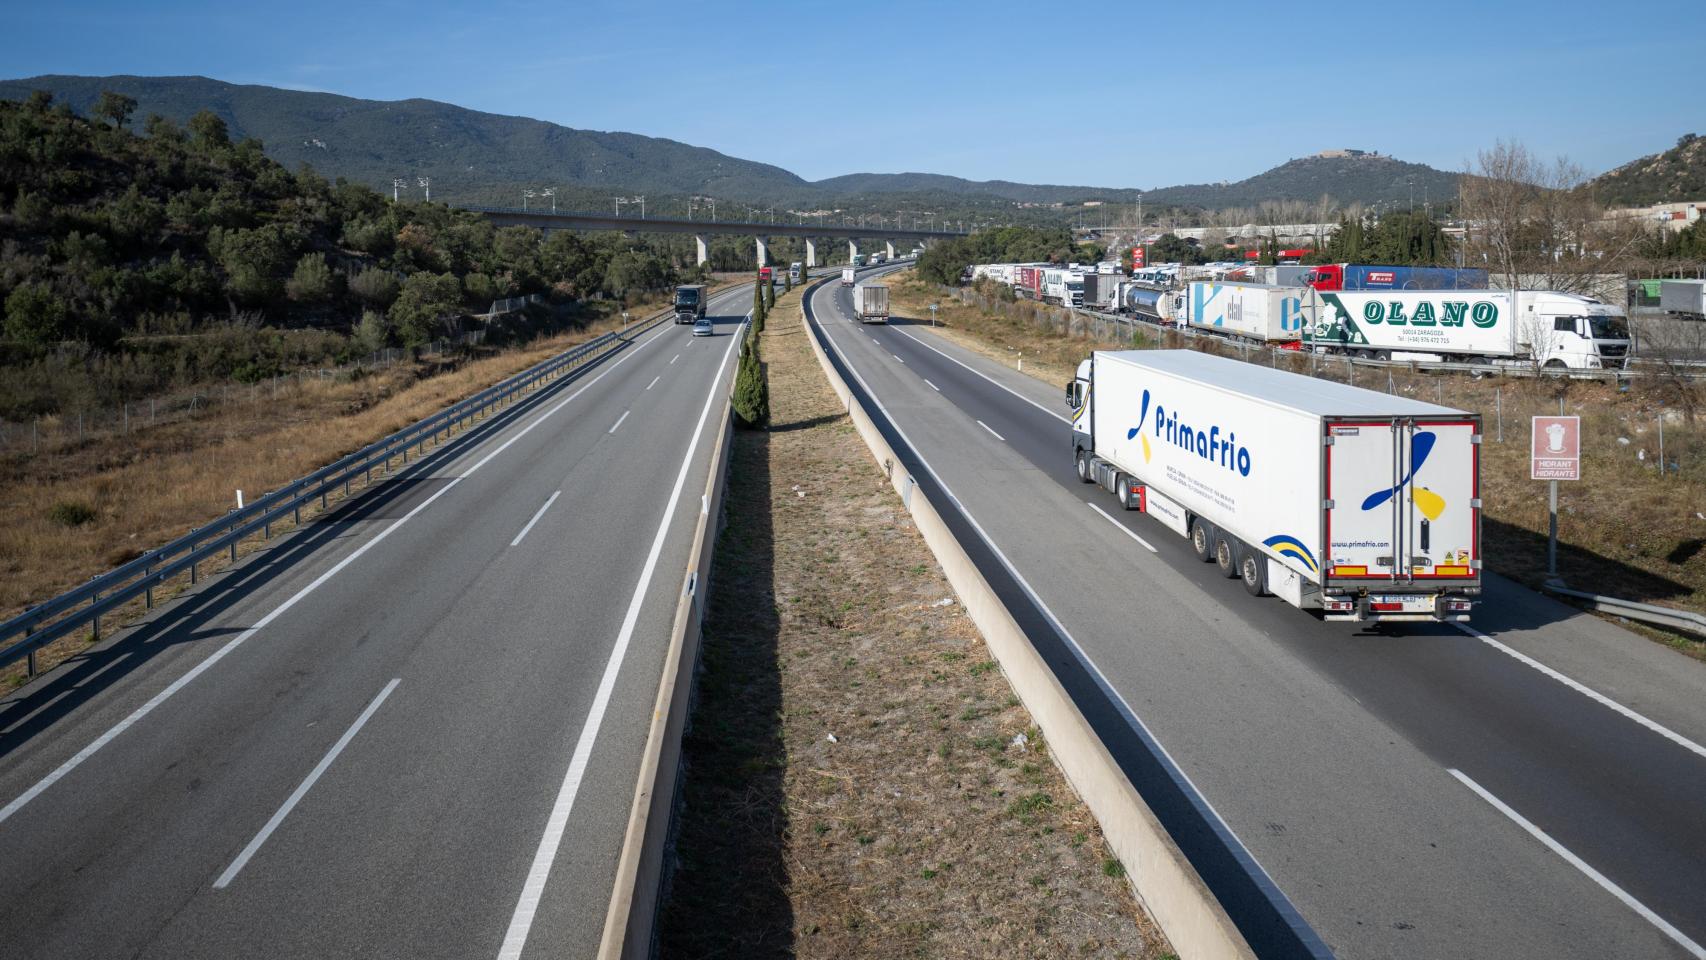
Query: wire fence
59, 434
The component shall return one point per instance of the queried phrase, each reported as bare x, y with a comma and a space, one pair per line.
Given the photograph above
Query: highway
412, 729
1530, 787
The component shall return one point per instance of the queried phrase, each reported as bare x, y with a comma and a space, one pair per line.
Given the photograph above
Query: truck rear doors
1403, 502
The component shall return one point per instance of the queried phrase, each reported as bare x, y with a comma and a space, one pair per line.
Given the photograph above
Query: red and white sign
1557, 449
1137, 258
1380, 276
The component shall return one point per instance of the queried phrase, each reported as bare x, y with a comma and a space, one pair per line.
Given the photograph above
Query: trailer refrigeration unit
871, 303
1251, 311
1360, 505
1526, 327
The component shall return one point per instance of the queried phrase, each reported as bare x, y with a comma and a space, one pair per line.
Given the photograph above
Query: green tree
770, 295
751, 400
375, 286
208, 130
35, 315
373, 332
115, 107
312, 280
254, 260
425, 300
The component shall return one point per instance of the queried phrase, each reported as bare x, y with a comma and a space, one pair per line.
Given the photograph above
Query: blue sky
1136, 94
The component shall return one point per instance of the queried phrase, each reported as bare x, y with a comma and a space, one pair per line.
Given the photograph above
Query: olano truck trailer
1539, 327
1252, 311
871, 303
1362, 505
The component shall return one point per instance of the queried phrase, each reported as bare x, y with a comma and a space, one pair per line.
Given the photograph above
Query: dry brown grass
145, 489
1624, 530
854, 785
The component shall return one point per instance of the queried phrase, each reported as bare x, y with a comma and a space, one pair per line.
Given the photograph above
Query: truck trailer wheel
1084, 474
1122, 484
1202, 541
1226, 557
1253, 571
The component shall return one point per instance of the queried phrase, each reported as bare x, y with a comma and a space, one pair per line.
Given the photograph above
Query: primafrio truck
1527, 327
871, 303
1251, 311
1358, 504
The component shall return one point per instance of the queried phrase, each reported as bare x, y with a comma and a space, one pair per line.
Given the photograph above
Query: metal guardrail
50, 620
1668, 617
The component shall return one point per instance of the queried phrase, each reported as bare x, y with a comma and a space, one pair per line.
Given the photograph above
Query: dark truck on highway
690, 302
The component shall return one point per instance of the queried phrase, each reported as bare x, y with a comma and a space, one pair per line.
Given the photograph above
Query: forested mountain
475, 157
1675, 175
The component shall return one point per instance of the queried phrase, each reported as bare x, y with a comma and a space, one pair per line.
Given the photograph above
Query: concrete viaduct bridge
702, 229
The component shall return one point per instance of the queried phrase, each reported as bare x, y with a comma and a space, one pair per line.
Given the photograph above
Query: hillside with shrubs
141, 255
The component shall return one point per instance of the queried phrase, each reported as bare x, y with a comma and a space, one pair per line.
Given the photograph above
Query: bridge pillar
763, 251
811, 253
852, 250
891, 248
704, 254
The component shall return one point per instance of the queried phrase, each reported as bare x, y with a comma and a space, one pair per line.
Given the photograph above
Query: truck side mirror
1072, 394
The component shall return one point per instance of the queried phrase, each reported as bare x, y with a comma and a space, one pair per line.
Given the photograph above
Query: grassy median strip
861, 781
1625, 529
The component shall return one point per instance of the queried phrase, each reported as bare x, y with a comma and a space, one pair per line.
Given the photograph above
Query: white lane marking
992, 431
521, 921
59, 772
897, 357
619, 420
654, 381
1062, 419
1083, 658
303, 788
933, 387
540, 513
1588, 692
1694, 949
1123, 528
675, 358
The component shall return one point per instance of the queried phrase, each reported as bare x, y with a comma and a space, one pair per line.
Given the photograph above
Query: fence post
1499, 411
148, 591
28, 632
1661, 443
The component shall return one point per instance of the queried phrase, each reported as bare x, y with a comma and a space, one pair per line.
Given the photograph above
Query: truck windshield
687, 297
1608, 328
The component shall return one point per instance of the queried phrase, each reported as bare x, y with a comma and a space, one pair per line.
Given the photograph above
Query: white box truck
848, 276
871, 303
1686, 298
1355, 503
1252, 311
1539, 327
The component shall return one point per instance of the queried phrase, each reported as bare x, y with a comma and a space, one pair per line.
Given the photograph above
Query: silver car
702, 327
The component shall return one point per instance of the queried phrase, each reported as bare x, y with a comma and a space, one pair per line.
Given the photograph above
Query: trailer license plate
1407, 602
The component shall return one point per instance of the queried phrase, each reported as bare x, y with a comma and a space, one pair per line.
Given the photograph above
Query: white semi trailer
1528, 327
1355, 503
871, 303
1251, 311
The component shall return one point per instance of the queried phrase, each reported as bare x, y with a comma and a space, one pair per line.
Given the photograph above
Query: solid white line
992, 431
1588, 692
112, 733
1123, 528
654, 381
1694, 949
619, 420
986, 376
521, 922
303, 788
932, 386
541, 512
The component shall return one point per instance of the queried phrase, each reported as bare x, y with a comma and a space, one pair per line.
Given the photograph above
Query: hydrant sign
1557, 449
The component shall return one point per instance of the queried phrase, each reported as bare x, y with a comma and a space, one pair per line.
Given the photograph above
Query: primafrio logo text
1207, 444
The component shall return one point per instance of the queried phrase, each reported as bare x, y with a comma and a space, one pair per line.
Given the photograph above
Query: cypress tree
751, 399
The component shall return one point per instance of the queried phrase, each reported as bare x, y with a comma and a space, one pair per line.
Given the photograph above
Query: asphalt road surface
411, 729
1532, 787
